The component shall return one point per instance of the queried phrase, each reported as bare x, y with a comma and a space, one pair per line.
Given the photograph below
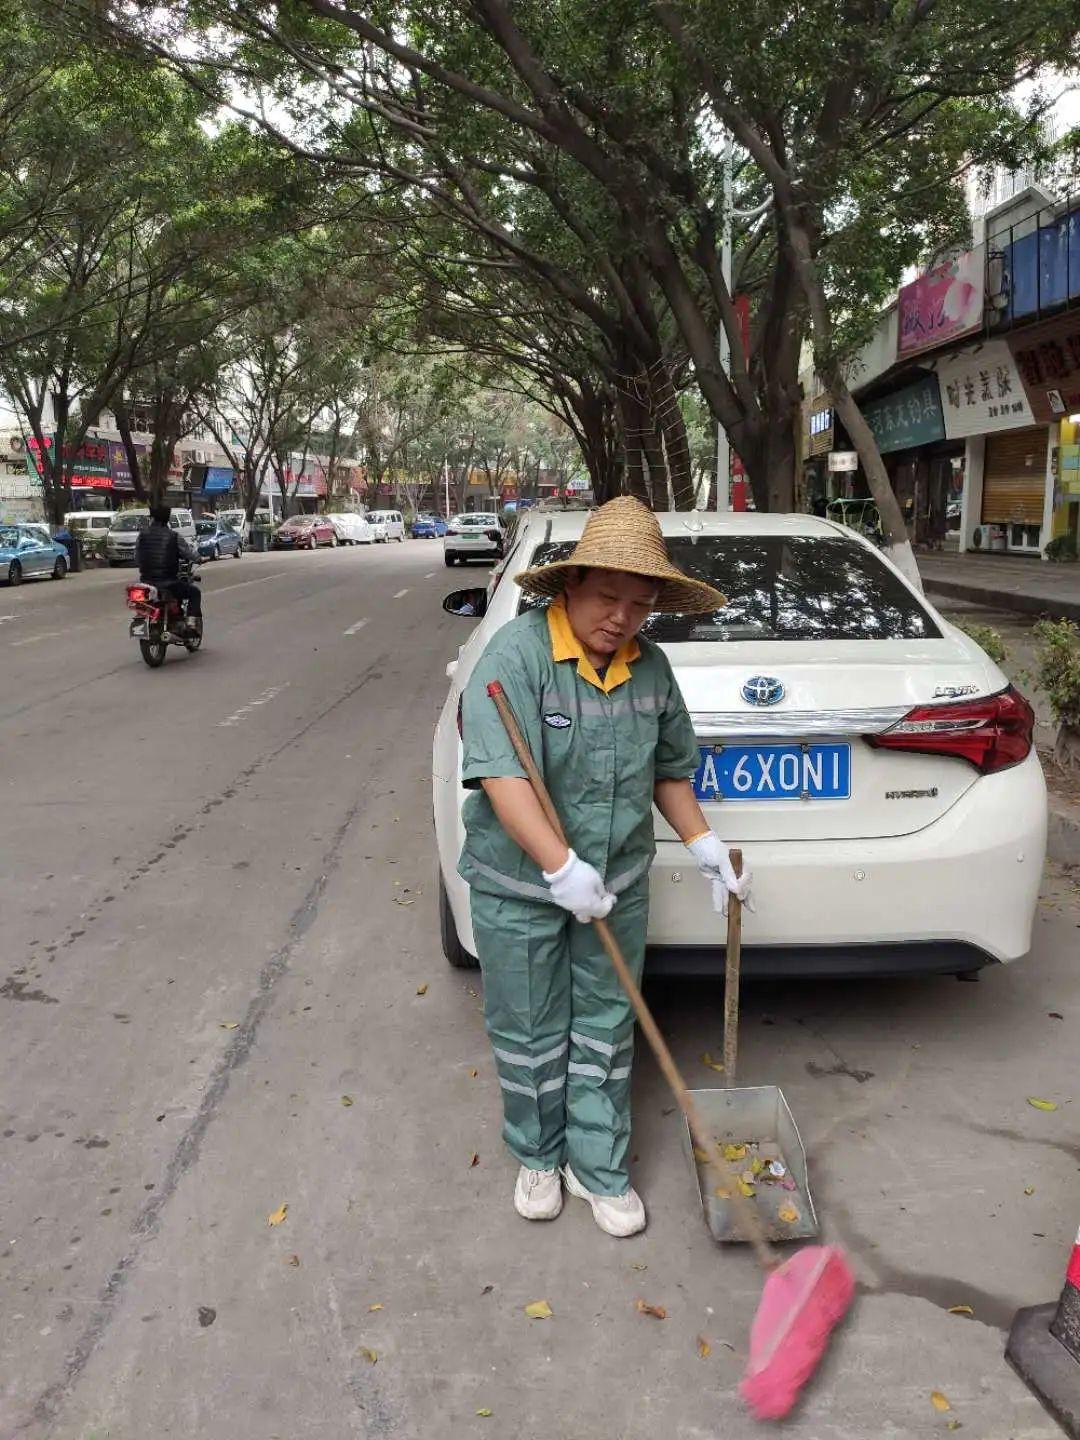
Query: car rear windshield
782, 587
131, 522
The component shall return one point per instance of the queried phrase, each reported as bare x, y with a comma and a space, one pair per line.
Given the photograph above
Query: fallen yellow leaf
952, 1424
961, 1310
473, 1074
373, 1308
700, 1156
421, 989
485, 1412
656, 1311
474, 1161
756, 1166
369, 1355
707, 1059
539, 1310
346, 1100
745, 1188
1041, 1104
230, 1025
278, 1216
788, 1214
704, 1349
294, 1261
938, 1401
722, 1192
733, 1152
1029, 1189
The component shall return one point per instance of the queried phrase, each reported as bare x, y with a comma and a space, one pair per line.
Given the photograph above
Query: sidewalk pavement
1006, 582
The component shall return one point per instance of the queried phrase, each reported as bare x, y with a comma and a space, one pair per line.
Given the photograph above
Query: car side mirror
470, 603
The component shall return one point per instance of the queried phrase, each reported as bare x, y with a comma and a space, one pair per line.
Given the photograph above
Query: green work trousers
562, 1031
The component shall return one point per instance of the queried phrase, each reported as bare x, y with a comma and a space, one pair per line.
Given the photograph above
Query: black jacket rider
158, 552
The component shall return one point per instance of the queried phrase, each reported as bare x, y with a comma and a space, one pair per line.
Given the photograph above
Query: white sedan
876, 767
475, 536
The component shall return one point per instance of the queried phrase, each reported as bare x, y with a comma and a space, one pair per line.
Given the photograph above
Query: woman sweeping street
604, 719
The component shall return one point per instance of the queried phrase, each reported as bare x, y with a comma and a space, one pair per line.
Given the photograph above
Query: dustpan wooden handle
750, 1221
731, 977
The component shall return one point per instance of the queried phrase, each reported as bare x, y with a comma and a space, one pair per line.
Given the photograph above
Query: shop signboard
1048, 359
941, 306
219, 478
90, 467
907, 418
119, 467
981, 392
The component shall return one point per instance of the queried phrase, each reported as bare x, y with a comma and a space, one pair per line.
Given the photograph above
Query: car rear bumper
971, 879
822, 962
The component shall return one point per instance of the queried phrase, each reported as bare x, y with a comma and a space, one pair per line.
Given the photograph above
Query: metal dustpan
768, 1162
755, 1116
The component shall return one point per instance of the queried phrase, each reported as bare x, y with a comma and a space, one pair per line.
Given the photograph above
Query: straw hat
625, 535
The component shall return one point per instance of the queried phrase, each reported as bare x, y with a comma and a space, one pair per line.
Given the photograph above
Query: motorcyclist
159, 552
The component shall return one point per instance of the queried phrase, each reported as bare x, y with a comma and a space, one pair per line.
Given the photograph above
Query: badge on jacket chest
557, 720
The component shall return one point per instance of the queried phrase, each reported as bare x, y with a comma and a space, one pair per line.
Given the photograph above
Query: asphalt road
218, 926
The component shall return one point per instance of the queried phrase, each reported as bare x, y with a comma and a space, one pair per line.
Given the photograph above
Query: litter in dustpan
756, 1134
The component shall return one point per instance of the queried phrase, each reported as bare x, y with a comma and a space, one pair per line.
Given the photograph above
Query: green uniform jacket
600, 755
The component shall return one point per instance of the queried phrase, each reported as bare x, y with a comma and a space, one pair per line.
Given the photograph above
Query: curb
1016, 600
1063, 832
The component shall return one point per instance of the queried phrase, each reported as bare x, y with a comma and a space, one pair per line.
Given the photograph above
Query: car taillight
992, 733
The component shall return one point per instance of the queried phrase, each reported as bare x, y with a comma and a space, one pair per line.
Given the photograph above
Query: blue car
26, 553
428, 527
216, 538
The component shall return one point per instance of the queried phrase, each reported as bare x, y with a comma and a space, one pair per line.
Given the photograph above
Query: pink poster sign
941, 306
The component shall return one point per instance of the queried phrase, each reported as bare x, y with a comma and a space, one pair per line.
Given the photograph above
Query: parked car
305, 532
239, 521
392, 520
352, 528
125, 527
91, 528
215, 537
477, 536
27, 555
875, 765
428, 527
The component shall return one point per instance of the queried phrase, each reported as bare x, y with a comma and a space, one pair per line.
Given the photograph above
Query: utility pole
446, 484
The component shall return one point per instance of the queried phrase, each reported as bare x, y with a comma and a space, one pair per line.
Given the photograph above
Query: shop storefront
1048, 359
925, 464
1004, 500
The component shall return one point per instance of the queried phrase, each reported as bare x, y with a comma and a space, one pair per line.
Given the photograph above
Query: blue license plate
773, 772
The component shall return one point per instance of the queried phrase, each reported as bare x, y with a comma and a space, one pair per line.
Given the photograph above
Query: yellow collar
566, 646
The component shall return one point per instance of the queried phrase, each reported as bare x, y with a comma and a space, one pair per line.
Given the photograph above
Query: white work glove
577, 887
714, 862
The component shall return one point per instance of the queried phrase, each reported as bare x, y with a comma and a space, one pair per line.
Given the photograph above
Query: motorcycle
161, 619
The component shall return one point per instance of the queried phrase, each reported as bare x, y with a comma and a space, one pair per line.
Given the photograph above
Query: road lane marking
222, 589
33, 639
263, 699
354, 628
400, 593
430, 575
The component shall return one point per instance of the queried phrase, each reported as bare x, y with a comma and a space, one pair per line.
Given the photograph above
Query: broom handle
731, 977
749, 1218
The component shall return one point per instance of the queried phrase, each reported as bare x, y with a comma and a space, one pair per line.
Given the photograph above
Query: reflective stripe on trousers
562, 1032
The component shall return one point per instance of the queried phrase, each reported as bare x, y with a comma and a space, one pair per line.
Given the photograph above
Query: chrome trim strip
796, 724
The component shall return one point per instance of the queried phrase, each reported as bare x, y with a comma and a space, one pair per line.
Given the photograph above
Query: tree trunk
1067, 748
672, 426
632, 423
123, 424
897, 545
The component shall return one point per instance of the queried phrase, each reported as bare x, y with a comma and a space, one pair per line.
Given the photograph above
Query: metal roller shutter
1014, 478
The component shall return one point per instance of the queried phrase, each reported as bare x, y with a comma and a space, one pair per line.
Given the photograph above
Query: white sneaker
538, 1194
618, 1215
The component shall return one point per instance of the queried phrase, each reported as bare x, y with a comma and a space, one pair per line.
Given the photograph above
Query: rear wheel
312, 543
239, 551
153, 652
215, 554
450, 559
60, 569
333, 542
14, 573
453, 949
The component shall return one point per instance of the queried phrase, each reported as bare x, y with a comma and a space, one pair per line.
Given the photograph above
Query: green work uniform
560, 1026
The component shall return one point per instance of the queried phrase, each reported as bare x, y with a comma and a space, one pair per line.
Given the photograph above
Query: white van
391, 520
352, 529
125, 527
89, 523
